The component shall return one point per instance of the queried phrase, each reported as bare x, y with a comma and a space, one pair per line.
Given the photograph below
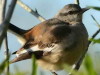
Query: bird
56, 41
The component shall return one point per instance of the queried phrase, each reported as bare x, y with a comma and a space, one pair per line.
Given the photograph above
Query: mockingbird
55, 42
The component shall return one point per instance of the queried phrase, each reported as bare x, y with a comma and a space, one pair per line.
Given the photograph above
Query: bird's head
71, 13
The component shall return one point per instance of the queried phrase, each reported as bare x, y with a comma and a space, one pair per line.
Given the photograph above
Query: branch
95, 21
6, 53
6, 40
4, 25
2, 10
27, 8
77, 2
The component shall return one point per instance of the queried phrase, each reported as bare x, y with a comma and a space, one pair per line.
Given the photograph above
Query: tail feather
16, 30
21, 57
27, 55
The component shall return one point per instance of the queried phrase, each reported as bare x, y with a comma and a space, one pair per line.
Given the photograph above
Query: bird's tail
27, 55
16, 30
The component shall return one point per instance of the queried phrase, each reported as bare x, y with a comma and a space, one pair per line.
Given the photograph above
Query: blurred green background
48, 8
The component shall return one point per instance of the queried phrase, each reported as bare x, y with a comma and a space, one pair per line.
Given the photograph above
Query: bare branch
95, 21
2, 10
10, 10
6, 54
27, 8
77, 2
4, 25
2, 16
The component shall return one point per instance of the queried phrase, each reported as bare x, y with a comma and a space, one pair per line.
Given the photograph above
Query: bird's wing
46, 36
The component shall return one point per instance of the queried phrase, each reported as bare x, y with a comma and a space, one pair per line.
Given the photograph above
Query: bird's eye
73, 12
70, 12
63, 14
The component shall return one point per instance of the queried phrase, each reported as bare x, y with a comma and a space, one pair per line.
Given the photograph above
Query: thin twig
77, 2
27, 8
7, 53
95, 21
10, 10
4, 25
6, 21
2, 10
6, 40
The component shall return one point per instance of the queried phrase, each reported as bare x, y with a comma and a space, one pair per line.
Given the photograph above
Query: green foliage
89, 66
2, 66
95, 40
34, 66
18, 72
91, 39
94, 7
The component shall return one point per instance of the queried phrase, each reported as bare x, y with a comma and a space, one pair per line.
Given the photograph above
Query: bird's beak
23, 56
85, 9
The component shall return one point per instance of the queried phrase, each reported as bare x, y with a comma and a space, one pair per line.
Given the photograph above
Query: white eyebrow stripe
36, 48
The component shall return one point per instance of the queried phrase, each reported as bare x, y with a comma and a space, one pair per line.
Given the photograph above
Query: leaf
2, 66
89, 66
95, 40
94, 7
34, 66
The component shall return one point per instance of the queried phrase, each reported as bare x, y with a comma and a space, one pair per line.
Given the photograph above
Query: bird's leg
54, 73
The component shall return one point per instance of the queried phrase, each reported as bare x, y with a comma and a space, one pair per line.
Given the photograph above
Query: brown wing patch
47, 33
